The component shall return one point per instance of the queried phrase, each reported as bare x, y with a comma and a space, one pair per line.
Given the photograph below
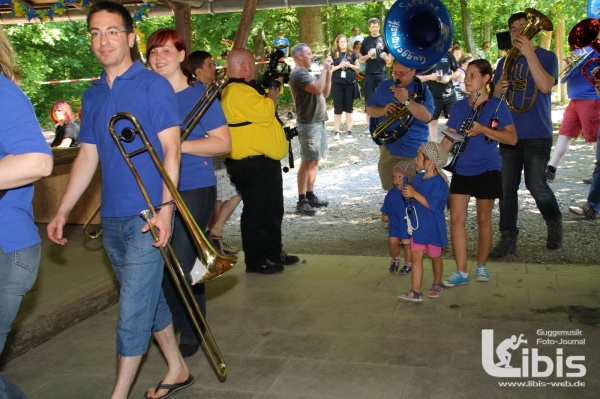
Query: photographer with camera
258, 143
309, 97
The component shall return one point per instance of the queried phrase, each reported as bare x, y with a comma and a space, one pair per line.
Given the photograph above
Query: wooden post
241, 37
183, 22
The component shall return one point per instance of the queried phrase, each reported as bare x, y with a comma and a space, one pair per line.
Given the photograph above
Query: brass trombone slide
214, 263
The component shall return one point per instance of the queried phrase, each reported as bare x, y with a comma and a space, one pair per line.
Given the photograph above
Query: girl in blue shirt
166, 55
478, 168
429, 191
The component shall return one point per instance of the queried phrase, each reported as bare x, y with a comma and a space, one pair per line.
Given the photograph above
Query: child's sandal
411, 296
435, 291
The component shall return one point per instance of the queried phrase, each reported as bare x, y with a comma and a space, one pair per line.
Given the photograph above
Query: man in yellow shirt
258, 143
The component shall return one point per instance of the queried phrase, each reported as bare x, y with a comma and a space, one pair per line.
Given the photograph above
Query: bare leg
433, 130
127, 367
407, 253
458, 217
178, 371
438, 269
484, 224
349, 120
337, 121
417, 271
307, 173
560, 150
226, 210
394, 244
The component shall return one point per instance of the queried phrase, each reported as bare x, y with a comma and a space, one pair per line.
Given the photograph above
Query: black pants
259, 182
201, 203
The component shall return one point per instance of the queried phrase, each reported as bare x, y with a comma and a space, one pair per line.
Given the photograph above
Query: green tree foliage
59, 51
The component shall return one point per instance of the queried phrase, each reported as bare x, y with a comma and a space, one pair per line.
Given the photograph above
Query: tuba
518, 82
417, 37
586, 33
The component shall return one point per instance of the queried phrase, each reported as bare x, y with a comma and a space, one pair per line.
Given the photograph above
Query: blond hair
8, 66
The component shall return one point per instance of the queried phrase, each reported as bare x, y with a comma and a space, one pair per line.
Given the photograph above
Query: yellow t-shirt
264, 135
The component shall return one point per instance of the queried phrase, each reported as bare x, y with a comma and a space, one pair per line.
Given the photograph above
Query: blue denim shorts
313, 141
139, 268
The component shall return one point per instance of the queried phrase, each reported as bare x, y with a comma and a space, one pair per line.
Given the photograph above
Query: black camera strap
255, 85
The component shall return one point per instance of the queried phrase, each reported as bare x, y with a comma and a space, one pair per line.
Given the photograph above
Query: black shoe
304, 208
506, 246
286, 259
188, 350
555, 234
268, 268
315, 202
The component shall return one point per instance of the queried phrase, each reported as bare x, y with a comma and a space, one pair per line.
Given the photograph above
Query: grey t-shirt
309, 108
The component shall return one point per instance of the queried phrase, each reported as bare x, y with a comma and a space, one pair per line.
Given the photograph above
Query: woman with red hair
66, 129
167, 56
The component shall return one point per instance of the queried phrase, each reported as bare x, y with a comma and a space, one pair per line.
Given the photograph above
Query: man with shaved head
258, 143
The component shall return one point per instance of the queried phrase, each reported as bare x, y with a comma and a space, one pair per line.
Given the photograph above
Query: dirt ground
351, 224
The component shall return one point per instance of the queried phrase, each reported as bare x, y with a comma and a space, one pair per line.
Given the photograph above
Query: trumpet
214, 263
188, 124
536, 22
384, 133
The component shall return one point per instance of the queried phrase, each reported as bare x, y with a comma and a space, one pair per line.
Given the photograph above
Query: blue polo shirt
20, 134
150, 98
418, 134
197, 171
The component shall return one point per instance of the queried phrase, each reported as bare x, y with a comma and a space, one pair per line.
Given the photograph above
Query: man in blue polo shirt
126, 86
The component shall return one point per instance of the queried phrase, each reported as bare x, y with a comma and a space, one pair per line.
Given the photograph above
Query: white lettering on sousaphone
414, 3
396, 48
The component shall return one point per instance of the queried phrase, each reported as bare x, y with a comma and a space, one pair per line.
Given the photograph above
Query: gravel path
351, 224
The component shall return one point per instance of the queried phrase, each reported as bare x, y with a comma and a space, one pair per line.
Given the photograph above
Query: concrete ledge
31, 333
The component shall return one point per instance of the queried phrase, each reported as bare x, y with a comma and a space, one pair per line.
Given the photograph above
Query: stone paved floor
332, 328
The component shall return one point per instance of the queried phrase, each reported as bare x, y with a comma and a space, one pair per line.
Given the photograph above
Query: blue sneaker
456, 279
482, 273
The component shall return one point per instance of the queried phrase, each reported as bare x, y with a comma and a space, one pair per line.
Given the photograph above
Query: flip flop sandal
172, 388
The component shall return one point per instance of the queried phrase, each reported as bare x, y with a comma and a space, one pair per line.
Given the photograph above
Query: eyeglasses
111, 33
401, 74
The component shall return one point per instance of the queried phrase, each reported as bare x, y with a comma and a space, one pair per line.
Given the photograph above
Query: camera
268, 80
290, 132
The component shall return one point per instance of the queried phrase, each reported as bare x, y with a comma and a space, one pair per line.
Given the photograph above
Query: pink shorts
433, 250
581, 116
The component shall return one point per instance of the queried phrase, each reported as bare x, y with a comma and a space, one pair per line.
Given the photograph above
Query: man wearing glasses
126, 86
393, 93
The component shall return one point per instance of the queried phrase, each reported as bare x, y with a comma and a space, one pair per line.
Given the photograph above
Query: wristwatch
407, 102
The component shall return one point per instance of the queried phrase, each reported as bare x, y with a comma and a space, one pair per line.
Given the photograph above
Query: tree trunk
467, 30
382, 12
310, 27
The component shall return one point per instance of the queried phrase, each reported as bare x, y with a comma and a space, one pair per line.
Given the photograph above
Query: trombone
188, 124
214, 263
